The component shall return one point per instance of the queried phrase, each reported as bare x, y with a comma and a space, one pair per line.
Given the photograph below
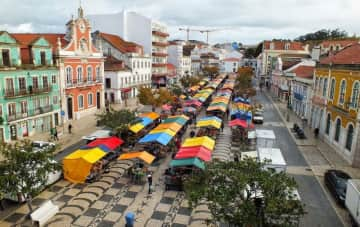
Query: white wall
108, 23
139, 30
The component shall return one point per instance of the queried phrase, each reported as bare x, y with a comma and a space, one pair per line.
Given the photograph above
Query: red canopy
166, 107
241, 123
193, 102
111, 142
194, 152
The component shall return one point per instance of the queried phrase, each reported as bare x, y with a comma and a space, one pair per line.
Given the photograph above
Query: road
318, 207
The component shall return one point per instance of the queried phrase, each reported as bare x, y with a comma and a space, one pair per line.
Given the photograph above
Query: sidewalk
310, 146
85, 126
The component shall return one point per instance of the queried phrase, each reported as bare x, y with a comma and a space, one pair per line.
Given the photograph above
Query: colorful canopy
173, 126
189, 109
77, 165
111, 142
167, 131
100, 146
200, 141
211, 118
193, 102
143, 155
216, 107
241, 123
151, 115
136, 127
162, 138
188, 162
166, 107
240, 99
194, 152
179, 120
208, 123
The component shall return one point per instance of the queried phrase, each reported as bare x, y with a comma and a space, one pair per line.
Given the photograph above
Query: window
349, 137
11, 109
272, 46
79, 74
81, 102
316, 84
53, 79
107, 83
332, 89
5, 57
47, 101
55, 100
1, 111
142, 64
9, 84
90, 99
342, 92
22, 84
35, 82
97, 73
355, 95
23, 107
328, 122
43, 58
122, 81
287, 46
337, 130
320, 84
36, 103
68, 75
325, 87
89, 73
137, 64
45, 82
133, 64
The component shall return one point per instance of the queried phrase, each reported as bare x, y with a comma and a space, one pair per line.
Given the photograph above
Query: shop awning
211, 118
208, 123
217, 107
166, 107
167, 131
200, 141
143, 155
202, 155
162, 138
188, 162
111, 142
128, 89
151, 115
193, 102
100, 146
173, 126
240, 99
136, 128
189, 109
241, 123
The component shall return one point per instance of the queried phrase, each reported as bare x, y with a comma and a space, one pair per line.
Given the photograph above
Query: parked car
352, 200
37, 145
336, 182
258, 118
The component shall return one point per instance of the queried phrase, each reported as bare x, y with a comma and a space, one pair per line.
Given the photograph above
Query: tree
250, 52
211, 71
243, 83
146, 96
118, 120
25, 170
188, 81
176, 90
323, 34
163, 96
245, 194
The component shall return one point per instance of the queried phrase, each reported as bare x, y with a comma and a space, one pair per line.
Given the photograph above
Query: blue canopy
210, 118
241, 114
146, 121
239, 99
162, 138
101, 146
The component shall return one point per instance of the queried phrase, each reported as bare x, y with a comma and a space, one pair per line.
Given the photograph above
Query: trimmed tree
118, 121
24, 171
146, 96
188, 81
211, 71
243, 82
245, 194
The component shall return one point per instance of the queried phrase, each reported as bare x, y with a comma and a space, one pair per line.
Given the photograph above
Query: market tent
241, 114
203, 155
208, 123
111, 142
151, 115
180, 116
179, 120
101, 146
167, 131
188, 162
189, 109
162, 138
193, 102
194, 149
200, 141
166, 107
216, 107
240, 99
241, 123
77, 165
173, 126
182, 96
136, 127
211, 118
143, 155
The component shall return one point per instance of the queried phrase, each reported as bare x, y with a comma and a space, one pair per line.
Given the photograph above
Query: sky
245, 21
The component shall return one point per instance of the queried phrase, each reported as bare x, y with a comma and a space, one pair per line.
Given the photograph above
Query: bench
46, 211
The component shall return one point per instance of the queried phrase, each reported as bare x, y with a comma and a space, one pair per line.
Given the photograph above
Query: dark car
336, 181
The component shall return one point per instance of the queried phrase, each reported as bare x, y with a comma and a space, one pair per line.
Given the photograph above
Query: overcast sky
246, 21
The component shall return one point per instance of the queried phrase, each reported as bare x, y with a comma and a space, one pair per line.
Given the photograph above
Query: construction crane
207, 31
188, 30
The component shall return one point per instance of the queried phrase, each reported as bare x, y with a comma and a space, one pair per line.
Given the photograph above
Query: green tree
117, 120
163, 96
250, 52
211, 71
245, 194
323, 34
176, 90
188, 81
243, 82
24, 170
146, 96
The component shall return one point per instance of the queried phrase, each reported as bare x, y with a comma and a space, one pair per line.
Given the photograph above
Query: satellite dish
235, 45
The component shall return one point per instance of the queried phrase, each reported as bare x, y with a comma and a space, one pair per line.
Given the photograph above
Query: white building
176, 57
150, 34
230, 65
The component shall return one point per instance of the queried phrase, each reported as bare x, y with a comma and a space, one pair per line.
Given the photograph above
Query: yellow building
336, 87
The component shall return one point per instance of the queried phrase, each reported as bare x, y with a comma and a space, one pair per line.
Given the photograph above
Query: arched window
349, 137
332, 88
342, 92
355, 95
337, 130
81, 101
90, 99
79, 74
89, 73
68, 75
325, 87
328, 123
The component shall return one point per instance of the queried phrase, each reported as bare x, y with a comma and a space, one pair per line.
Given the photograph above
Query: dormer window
287, 46
272, 46
43, 58
5, 57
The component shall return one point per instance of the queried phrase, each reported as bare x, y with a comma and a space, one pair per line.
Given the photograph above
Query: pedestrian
149, 178
69, 128
56, 134
222, 125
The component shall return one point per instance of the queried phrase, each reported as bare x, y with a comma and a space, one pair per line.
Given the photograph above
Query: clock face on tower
82, 27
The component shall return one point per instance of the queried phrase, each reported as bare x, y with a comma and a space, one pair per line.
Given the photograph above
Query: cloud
251, 21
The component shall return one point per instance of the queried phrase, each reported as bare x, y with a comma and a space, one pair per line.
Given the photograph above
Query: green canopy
178, 120
188, 162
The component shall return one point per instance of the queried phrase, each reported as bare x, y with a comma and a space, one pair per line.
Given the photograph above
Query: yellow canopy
167, 131
143, 155
182, 96
151, 115
173, 126
219, 107
200, 141
182, 116
194, 88
77, 165
136, 127
213, 123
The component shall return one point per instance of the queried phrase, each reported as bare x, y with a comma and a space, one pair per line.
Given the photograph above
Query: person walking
56, 134
149, 178
69, 128
222, 125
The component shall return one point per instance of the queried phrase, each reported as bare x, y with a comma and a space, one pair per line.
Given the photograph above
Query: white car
258, 118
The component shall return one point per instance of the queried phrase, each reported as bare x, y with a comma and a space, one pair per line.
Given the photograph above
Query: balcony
14, 93
159, 54
159, 33
160, 44
159, 64
83, 83
30, 113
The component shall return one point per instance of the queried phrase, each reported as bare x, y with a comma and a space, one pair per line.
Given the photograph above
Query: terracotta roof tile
122, 45
25, 39
342, 43
112, 64
304, 71
349, 55
280, 45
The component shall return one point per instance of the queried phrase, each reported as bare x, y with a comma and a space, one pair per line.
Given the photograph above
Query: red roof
171, 69
112, 64
341, 43
348, 55
25, 39
232, 59
304, 71
122, 45
280, 45
170, 66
